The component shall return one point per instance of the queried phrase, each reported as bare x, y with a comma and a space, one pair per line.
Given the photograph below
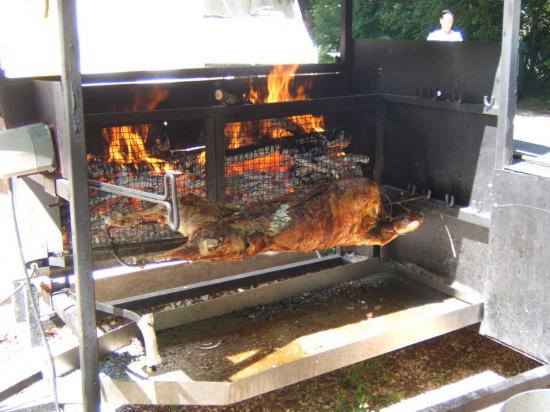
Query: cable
33, 301
17, 289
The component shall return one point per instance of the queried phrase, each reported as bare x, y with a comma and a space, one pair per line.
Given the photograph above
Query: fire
127, 143
269, 163
240, 134
126, 146
201, 158
280, 88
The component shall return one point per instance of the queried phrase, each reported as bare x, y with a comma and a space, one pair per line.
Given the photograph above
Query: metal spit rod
169, 200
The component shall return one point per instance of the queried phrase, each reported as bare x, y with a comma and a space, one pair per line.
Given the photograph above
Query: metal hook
449, 200
489, 102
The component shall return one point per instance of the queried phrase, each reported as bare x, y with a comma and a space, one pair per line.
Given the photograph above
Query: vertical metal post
508, 82
215, 156
211, 166
379, 136
79, 206
346, 39
220, 155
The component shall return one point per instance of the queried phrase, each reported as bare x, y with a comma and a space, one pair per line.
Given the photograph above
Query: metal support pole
508, 83
215, 157
220, 156
79, 205
379, 145
346, 39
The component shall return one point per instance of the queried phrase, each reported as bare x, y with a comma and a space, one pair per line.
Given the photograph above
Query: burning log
286, 126
160, 147
225, 97
346, 212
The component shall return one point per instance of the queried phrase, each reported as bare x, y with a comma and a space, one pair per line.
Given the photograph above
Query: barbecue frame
73, 105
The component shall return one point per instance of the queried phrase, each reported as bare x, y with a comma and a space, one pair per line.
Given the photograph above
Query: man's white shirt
439, 35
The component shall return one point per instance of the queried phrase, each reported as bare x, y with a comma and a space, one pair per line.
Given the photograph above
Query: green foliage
361, 385
534, 74
326, 27
479, 20
440, 378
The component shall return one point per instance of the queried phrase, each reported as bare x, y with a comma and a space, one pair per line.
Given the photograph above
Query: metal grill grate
289, 154
136, 160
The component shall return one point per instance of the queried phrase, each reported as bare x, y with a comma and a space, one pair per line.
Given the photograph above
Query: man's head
446, 20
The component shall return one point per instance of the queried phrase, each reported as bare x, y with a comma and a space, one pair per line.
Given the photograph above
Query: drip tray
249, 351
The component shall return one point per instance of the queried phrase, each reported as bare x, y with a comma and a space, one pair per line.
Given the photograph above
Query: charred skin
346, 212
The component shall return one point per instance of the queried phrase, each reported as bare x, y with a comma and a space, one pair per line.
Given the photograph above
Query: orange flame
269, 163
127, 143
127, 146
279, 86
201, 158
279, 89
148, 99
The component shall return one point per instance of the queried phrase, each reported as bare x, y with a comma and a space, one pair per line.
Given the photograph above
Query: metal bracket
489, 101
145, 325
169, 200
449, 200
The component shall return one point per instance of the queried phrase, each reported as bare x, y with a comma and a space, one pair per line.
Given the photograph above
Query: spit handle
169, 200
171, 192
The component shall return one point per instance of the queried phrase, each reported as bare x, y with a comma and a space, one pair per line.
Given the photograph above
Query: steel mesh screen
138, 159
289, 154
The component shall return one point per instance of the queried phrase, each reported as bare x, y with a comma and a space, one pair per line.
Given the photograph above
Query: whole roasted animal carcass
345, 212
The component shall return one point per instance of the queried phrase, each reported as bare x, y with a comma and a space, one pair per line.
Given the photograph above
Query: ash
318, 297
200, 350
116, 364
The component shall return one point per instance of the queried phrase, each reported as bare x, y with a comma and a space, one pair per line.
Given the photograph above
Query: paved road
532, 133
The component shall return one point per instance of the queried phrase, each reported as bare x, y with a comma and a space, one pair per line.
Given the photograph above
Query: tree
535, 48
479, 20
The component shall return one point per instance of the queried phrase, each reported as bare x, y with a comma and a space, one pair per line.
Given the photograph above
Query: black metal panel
241, 112
17, 103
445, 151
445, 245
346, 42
193, 92
407, 67
203, 72
49, 105
518, 282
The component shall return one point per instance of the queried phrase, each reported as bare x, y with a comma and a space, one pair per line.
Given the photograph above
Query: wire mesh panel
137, 157
268, 158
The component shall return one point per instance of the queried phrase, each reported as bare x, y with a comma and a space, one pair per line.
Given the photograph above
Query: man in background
445, 33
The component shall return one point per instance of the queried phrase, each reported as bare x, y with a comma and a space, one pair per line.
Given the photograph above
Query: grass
361, 385
440, 378
294, 393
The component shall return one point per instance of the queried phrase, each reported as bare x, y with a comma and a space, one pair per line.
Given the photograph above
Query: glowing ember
201, 159
269, 163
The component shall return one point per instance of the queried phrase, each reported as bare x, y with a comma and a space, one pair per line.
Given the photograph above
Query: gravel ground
385, 380
366, 386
